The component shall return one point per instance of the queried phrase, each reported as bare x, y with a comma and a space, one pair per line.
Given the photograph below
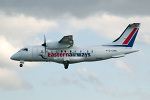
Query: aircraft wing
65, 42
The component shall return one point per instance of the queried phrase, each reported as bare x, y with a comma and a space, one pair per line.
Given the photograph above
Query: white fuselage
73, 54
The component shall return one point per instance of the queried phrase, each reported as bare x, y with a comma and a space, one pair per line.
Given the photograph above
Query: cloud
10, 80
121, 65
17, 28
137, 93
77, 8
78, 78
88, 76
6, 50
111, 26
65, 81
109, 91
81, 79
144, 38
21, 20
125, 67
102, 24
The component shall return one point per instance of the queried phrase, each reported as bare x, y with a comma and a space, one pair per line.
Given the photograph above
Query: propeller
44, 44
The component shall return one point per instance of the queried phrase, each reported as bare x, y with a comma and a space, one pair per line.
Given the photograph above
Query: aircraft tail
127, 38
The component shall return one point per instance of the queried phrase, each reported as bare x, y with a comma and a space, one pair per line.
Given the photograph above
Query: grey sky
77, 8
91, 22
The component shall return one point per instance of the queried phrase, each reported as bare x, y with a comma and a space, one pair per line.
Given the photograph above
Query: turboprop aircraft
64, 51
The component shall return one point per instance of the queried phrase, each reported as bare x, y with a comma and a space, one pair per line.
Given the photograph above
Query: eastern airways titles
69, 54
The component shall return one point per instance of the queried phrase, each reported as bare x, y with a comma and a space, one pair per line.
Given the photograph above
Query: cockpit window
23, 49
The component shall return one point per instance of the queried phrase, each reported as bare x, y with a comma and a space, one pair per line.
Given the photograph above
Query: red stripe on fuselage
130, 36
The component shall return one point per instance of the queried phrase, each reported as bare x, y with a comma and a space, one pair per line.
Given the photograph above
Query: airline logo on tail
127, 38
131, 38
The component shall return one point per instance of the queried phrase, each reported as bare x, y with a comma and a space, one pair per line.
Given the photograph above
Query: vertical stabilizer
127, 38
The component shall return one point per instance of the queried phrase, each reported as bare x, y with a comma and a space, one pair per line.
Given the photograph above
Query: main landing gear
66, 64
21, 63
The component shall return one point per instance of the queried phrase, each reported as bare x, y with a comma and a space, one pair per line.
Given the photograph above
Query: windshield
23, 49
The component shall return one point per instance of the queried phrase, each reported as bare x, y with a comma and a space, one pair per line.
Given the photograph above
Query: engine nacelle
57, 45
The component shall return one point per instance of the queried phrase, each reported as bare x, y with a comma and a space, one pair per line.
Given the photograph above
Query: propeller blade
44, 40
45, 50
44, 44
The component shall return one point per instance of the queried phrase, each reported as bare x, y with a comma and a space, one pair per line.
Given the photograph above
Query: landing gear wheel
21, 65
66, 67
66, 64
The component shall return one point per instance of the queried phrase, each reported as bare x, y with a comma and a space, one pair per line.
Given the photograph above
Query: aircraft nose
16, 56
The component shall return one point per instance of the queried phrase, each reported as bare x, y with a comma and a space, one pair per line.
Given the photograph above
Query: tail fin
127, 38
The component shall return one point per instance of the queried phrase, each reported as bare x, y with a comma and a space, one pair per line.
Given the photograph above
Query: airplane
64, 51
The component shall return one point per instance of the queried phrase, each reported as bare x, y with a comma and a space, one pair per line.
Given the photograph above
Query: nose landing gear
21, 63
